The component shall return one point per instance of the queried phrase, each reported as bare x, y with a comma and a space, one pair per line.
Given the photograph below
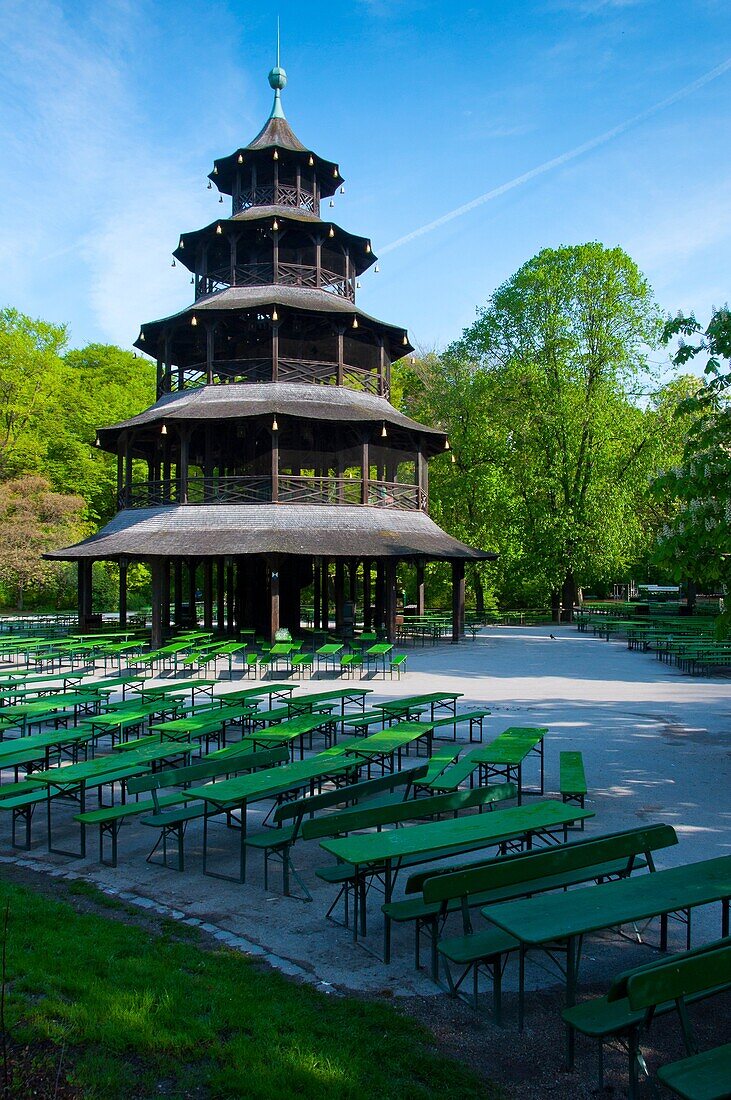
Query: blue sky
111, 114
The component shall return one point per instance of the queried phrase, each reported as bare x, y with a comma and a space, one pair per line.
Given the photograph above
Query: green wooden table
377, 653
303, 704
294, 729
56, 708
435, 700
505, 755
75, 780
568, 917
21, 749
201, 723
165, 688
272, 691
232, 795
422, 843
327, 654
385, 747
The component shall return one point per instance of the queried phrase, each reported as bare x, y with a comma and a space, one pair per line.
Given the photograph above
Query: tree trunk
569, 597
20, 597
479, 594
556, 606
691, 591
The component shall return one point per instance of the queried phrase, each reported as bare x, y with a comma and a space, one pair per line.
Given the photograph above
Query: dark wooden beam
457, 601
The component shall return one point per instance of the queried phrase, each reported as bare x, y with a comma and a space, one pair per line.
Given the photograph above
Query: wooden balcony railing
281, 195
260, 370
260, 490
267, 274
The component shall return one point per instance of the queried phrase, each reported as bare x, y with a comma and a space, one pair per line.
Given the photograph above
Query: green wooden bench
703, 1076
657, 988
278, 842
301, 662
397, 664
440, 759
364, 721
572, 780
295, 729
173, 823
474, 717
615, 855
349, 663
450, 778
20, 802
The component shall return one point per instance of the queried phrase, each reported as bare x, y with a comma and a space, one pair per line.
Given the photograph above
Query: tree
31, 382
33, 520
563, 344
695, 544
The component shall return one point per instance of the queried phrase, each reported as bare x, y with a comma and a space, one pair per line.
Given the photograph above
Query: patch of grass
81, 888
142, 1015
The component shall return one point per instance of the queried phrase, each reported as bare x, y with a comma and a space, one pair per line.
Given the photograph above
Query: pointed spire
277, 81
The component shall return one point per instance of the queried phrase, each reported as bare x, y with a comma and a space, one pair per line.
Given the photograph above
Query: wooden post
317, 594
457, 600
210, 338
121, 503
84, 591
165, 614
325, 595
339, 594
275, 351
275, 466
420, 588
122, 592
380, 593
341, 355
221, 595
230, 598
367, 617
365, 469
273, 578
183, 467
178, 592
156, 567
191, 591
208, 594
390, 599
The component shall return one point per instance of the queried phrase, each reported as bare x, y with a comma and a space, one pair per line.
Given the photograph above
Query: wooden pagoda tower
274, 463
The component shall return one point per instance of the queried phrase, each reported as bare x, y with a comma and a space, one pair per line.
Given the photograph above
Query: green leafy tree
695, 544
33, 520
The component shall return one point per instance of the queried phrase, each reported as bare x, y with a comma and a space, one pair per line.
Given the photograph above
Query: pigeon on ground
552, 636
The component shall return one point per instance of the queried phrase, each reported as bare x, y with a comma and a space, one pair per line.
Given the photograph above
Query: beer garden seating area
100, 734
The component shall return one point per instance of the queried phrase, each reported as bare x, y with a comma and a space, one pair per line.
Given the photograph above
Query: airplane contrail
563, 158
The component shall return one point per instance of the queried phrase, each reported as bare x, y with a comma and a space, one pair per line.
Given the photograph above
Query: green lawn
145, 1011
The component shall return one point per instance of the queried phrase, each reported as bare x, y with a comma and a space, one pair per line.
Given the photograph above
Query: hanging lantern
215, 169
406, 339
275, 426
368, 246
446, 445
276, 155
220, 198
355, 322
275, 225
335, 171
241, 159
376, 269
181, 243
141, 336
275, 315
311, 161
219, 230
384, 433
173, 264
342, 190
194, 321
332, 204
97, 442
453, 458
192, 279
357, 284
332, 232
210, 186
163, 430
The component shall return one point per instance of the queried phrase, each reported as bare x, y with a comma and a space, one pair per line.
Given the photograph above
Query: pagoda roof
277, 132
303, 299
360, 247
209, 530
242, 400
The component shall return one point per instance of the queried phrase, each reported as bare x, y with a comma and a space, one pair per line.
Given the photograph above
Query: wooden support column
208, 594
380, 615
230, 598
178, 592
273, 579
160, 374
183, 466
365, 470
275, 466
457, 600
84, 597
123, 565
317, 594
420, 588
120, 473
353, 579
341, 355
192, 563
275, 351
325, 624
128, 468
339, 594
166, 599
221, 595
210, 339
367, 616
390, 599
158, 577
420, 479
